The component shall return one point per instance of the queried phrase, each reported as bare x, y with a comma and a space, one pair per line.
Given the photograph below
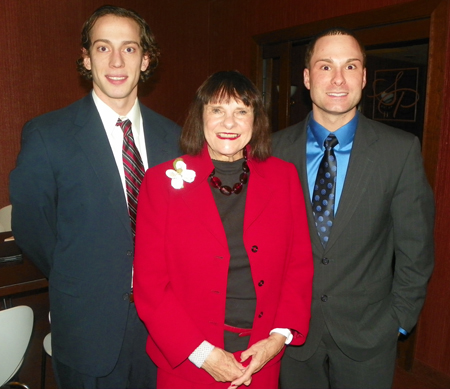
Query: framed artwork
395, 95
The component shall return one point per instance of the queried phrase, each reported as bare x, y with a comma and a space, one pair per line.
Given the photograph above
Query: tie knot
331, 141
125, 125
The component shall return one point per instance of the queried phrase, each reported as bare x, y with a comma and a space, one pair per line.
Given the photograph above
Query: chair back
5, 218
16, 325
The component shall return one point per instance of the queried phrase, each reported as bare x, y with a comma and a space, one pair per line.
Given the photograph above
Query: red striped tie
133, 168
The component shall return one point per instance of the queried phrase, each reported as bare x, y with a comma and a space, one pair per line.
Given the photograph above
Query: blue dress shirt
316, 136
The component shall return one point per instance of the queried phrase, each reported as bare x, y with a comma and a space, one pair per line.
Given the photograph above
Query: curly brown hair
148, 43
221, 87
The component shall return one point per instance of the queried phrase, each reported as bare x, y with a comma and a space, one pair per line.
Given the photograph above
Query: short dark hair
330, 32
148, 43
221, 87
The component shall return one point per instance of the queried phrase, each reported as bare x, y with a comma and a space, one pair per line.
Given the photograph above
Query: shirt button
254, 249
324, 298
325, 261
261, 283
129, 253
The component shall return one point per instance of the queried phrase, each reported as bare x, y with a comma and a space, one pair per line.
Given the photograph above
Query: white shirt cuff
201, 353
283, 331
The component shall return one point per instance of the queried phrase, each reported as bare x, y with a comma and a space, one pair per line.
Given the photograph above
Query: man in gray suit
371, 224
74, 206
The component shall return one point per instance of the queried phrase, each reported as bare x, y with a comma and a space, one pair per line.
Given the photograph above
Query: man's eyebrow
329, 60
108, 41
353, 60
130, 43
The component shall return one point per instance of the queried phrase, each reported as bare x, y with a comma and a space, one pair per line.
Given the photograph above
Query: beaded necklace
237, 188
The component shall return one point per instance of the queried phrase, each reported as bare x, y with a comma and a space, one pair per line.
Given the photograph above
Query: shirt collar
109, 116
345, 134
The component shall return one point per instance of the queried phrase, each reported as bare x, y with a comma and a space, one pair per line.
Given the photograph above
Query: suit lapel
93, 140
156, 137
259, 193
358, 175
199, 199
299, 159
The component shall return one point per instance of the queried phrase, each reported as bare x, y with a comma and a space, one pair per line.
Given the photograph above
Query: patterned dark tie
133, 168
324, 190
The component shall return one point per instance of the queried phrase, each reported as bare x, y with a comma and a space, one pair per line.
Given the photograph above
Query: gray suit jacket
372, 276
70, 217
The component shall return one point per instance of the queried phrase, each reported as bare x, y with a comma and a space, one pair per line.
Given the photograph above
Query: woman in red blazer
223, 264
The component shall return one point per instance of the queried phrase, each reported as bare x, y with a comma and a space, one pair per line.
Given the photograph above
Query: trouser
134, 368
329, 368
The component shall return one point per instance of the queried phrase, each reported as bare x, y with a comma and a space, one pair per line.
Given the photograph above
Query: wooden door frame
424, 16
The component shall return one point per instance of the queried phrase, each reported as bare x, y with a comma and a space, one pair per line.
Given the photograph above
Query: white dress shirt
115, 134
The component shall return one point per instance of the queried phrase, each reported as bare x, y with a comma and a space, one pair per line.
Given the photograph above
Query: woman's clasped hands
224, 367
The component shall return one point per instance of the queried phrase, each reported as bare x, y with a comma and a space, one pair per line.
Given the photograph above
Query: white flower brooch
180, 174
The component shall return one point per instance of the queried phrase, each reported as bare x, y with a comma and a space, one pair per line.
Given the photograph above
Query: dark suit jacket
70, 217
359, 290
182, 260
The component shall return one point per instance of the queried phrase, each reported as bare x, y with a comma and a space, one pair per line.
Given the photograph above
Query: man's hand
223, 367
261, 353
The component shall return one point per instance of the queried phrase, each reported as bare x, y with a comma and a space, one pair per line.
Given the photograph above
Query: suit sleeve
412, 211
294, 309
167, 321
33, 194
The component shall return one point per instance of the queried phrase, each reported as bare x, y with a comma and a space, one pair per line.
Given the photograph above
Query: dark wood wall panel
181, 28
235, 22
38, 69
433, 344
